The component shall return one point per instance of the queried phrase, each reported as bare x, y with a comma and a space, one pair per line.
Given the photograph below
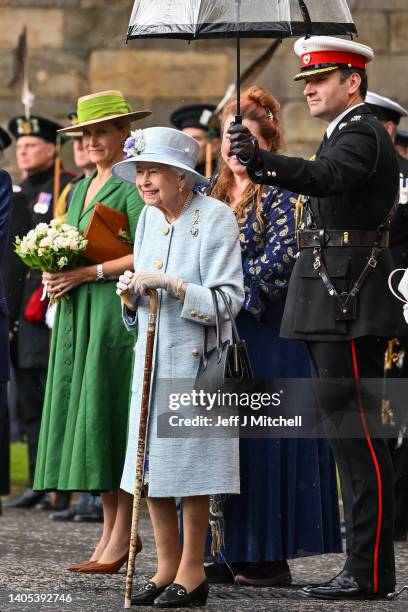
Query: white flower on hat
135, 144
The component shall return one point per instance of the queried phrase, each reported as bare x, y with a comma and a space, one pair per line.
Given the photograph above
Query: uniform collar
337, 120
40, 177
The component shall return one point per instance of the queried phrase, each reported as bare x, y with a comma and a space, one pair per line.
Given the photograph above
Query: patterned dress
288, 506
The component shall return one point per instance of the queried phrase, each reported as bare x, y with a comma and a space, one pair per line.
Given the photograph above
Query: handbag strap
217, 328
235, 334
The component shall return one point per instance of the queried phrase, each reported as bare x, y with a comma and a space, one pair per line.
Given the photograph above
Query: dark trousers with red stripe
364, 462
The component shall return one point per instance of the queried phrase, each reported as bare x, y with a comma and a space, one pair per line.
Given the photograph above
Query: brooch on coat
196, 221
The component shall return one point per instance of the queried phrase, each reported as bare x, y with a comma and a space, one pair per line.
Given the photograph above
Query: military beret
34, 126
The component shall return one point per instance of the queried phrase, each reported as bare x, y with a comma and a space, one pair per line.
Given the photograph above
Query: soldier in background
35, 151
390, 113
197, 121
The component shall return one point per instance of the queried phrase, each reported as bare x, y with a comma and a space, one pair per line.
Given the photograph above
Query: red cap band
333, 57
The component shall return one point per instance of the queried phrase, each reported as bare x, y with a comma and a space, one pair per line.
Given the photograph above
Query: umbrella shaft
238, 118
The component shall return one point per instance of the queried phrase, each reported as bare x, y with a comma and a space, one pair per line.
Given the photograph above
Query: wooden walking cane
141, 444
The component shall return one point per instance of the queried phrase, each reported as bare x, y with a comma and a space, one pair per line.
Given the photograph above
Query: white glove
406, 312
126, 284
157, 280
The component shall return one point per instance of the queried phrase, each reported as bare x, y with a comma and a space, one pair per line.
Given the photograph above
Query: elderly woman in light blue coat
185, 244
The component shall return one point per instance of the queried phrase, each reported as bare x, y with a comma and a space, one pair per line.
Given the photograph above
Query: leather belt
343, 238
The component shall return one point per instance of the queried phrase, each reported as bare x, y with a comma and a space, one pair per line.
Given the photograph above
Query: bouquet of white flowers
51, 247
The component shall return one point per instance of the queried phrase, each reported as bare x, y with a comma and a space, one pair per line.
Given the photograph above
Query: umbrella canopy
194, 19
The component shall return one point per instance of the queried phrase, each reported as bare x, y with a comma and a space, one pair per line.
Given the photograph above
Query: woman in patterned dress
288, 505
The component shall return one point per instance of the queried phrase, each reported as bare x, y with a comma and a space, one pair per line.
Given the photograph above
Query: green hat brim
134, 116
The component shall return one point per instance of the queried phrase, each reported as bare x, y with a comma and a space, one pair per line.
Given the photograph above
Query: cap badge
356, 118
26, 127
307, 58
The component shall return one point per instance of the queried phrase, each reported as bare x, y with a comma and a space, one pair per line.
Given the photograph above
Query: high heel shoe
77, 566
176, 596
109, 568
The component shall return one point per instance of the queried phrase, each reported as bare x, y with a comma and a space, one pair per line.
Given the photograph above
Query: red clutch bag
108, 235
35, 308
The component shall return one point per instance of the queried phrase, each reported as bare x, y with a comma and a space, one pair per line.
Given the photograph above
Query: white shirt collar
337, 120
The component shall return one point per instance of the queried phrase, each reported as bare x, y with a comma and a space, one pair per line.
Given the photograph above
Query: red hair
260, 106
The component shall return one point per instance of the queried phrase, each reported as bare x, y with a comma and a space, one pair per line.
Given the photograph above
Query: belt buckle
317, 263
372, 262
345, 240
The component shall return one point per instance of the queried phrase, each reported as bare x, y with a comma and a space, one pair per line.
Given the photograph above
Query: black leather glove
244, 146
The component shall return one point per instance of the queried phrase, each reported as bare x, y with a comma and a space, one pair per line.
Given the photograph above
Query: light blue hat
161, 145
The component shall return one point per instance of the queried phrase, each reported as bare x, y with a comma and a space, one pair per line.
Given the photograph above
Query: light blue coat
210, 258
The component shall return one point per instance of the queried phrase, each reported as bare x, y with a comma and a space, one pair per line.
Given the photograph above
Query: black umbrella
194, 19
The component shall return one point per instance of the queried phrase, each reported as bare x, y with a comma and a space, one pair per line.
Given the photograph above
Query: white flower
45, 242
135, 144
63, 261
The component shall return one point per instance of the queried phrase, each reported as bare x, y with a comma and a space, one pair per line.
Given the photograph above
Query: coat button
201, 315
159, 264
166, 231
195, 352
274, 174
193, 313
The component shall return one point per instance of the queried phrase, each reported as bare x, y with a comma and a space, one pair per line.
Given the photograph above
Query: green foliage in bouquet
51, 247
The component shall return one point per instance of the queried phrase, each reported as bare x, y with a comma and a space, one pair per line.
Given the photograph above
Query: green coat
84, 423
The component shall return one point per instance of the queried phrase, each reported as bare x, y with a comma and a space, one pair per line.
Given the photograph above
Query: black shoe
218, 573
146, 593
264, 574
176, 596
45, 503
343, 586
64, 515
94, 516
27, 500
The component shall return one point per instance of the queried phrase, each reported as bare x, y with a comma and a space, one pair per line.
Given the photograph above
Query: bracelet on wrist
100, 275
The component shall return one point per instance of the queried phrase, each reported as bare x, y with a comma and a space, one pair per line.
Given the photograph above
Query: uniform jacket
211, 258
6, 194
33, 338
353, 184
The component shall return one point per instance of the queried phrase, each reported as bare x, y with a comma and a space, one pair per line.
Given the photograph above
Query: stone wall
77, 46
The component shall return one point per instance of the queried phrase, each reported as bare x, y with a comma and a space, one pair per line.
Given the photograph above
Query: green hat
103, 106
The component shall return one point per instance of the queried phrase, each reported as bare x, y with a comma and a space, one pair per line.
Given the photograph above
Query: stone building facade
78, 46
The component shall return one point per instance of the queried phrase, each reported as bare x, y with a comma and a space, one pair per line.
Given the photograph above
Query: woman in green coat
84, 423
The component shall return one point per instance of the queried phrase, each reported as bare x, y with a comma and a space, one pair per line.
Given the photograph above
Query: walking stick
141, 444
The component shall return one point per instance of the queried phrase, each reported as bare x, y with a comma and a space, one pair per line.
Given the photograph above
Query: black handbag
227, 360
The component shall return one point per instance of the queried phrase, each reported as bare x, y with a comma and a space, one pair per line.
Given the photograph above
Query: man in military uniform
198, 121
5, 209
390, 113
340, 276
35, 151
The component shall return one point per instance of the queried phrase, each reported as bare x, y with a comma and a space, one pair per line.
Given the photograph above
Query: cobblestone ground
35, 551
